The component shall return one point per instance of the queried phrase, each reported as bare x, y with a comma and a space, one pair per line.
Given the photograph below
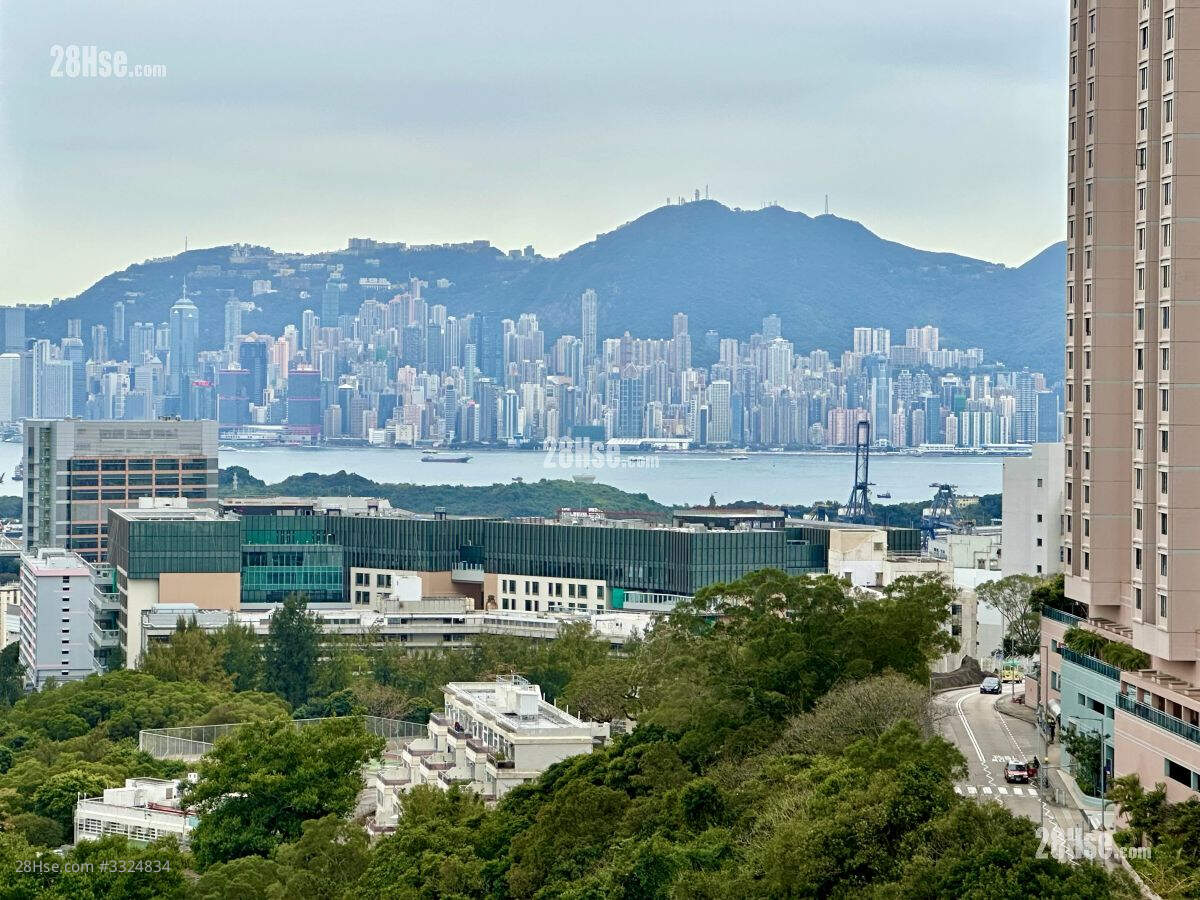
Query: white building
1033, 502
56, 617
145, 810
423, 624
491, 737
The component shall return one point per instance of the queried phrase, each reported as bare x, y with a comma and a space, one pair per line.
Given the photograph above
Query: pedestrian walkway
987, 790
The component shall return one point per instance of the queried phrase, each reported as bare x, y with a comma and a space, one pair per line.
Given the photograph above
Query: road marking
967, 725
972, 790
1002, 790
958, 789
987, 790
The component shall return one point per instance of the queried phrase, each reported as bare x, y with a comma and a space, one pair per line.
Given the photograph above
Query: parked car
1016, 772
990, 685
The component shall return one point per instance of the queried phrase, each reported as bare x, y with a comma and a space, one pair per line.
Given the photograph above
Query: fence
190, 742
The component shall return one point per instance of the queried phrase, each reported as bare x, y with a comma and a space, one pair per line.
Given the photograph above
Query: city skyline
486, 127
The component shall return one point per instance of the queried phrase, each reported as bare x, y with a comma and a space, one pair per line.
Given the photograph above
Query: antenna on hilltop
706, 192
185, 243
826, 204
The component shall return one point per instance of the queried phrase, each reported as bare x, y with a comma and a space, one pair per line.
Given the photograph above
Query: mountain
726, 268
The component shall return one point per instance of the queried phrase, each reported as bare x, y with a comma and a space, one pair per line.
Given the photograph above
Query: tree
40, 831
260, 784
859, 709
1085, 748
291, 650
603, 692
190, 654
56, 797
241, 656
1012, 596
12, 674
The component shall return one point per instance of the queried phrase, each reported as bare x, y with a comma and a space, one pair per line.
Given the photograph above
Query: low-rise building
491, 737
142, 811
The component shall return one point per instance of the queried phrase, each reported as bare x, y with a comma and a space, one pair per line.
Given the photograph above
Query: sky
937, 123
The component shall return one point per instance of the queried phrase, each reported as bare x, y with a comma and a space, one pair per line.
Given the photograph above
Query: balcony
1099, 666
1157, 717
105, 638
105, 601
1057, 615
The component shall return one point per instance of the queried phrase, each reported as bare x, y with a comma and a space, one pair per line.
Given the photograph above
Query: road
988, 740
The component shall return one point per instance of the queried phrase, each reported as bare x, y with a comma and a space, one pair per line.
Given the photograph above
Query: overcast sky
938, 123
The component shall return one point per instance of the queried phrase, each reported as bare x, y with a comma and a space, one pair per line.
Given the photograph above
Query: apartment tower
1131, 523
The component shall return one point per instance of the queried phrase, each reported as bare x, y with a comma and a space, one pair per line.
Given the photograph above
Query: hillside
726, 268
541, 498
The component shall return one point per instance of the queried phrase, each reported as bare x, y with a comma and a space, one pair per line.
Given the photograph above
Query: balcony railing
1058, 615
1158, 717
1099, 666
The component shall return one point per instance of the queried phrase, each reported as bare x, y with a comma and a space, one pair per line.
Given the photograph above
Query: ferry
435, 457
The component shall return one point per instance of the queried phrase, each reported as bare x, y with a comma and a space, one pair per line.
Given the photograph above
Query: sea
670, 478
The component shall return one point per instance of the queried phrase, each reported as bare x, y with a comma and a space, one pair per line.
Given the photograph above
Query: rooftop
515, 704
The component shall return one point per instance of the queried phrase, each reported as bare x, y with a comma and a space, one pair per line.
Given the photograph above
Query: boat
433, 457
738, 457
19, 472
884, 496
583, 479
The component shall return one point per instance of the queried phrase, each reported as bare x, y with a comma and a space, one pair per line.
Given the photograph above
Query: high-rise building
75, 471
1032, 521
252, 356
56, 617
719, 412
1025, 412
12, 324
99, 343
304, 403
72, 352
588, 308
184, 334
118, 322
233, 322
1132, 487
12, 396
141, 342
772, 328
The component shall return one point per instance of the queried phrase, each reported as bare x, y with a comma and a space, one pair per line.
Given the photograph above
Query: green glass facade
145, 548
278, 555
284, 555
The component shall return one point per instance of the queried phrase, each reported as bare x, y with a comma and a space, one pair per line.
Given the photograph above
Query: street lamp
1103, 764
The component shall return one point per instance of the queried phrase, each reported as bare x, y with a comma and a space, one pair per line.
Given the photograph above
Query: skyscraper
233, 322
588, 308
772, 328
185, 332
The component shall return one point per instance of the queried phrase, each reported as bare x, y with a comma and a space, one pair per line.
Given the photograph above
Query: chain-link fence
190, 742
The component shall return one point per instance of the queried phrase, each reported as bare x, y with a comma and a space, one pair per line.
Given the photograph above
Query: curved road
988, 740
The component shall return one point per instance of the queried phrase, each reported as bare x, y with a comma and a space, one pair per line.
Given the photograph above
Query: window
1162, 606
1168, 110
1162, 564
1137, 479
1166, 358
1140, 278
1138, 398
1170, 28
1162, 523
1141, 237
1144, 37
1166, 235
1137, 518
1162, 400
1137, 598
1166, 193
1166, 316
1162, 486
1169, 68
1164, 440
1143, 78
1166, 152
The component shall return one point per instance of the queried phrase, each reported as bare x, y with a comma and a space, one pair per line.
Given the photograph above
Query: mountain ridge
725, 267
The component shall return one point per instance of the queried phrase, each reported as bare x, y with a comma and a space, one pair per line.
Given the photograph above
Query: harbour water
672, 478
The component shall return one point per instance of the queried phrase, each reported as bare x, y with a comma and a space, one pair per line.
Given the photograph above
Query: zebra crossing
1014, 790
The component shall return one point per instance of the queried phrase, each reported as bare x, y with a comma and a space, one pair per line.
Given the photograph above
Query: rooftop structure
142, 811
491, 737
